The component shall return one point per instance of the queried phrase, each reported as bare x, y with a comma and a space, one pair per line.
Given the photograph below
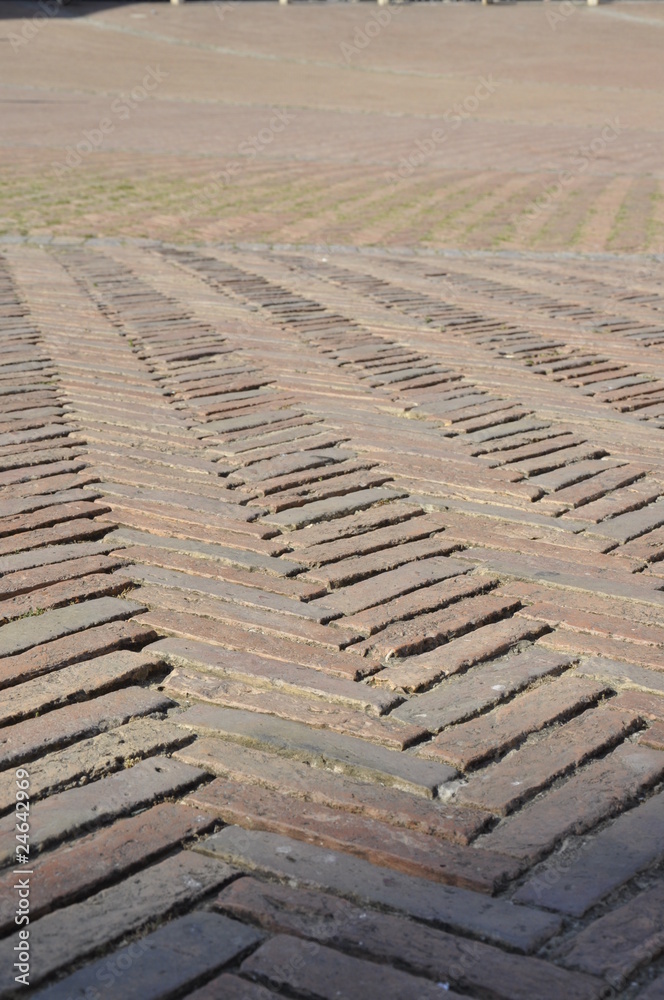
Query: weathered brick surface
21, 635
291, 777
427, 631
271, 673
614, 945
341, 752
404, 850
623, 849
488, 641
319, 713
74, 683
343, 688
599, 790
520, 775
66, 813
423, 950
86, 864
481, 687
288, 963
24, 740
174, 957
448, 907
80, 929
500, 730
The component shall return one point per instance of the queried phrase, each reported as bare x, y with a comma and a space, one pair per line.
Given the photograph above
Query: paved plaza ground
331, 529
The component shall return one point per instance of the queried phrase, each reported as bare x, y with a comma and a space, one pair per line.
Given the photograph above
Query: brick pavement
331, 622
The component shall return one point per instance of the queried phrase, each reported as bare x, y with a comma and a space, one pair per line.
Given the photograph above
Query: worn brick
325, 510
604, 648
599, 790
59, 595
581, 620
465, 964
74, 932
234, 593
22, 635
502, 729
321, 748
624, 527
623, 675
223, 535
353, 525
289, 677
301, 780
317, 713
422, 601
73, 683
23, 581
405, 850
30, 738
173, 957
426, 631
521, 774
487, 684
94, 757
616, 854
256, 578
234, 636
67, 813
71, 649
348, 572
87, 863
269, 621
448, 907
288, 963
212, 553
615, 944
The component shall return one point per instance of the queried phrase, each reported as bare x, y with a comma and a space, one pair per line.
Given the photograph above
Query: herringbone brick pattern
332, 623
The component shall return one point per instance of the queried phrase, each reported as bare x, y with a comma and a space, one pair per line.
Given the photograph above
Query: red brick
405, 850
418, 672
71, 649
581, 620
353, 525
502, 729
286, 962
314, 784
24, 581
317, 713
615, 944
60, 594
272, 674
599, 790
621, 850
78, 530
24, 740
72, 682
88, 863
152, 556
269, 621
422, 601
81, 929
460, 698
234, 636
503, 786
427, 631
348, 571
319, 748
584, 644
464, 963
